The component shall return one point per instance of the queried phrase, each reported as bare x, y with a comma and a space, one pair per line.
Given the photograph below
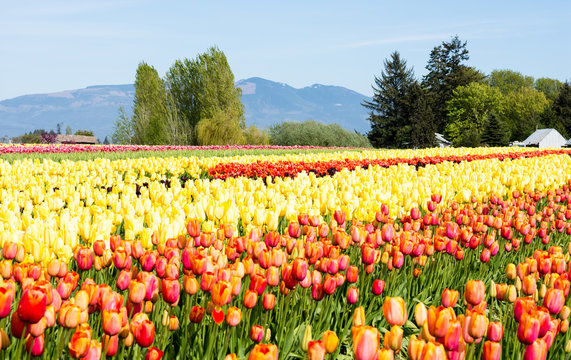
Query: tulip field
259, 253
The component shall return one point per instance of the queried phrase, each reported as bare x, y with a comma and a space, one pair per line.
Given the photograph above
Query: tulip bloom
264, 352
475, 291
492, 350
554, 300
449, 298
415, 346
352, 295
394, 311
393, 338
6, 299
32, 306
330, 341
233, 316
112, 322
528, 329
366, 341
268, 301
432, 350
154, 354
438, 320
196, 314
144, 333
316, 350
378, 286
495, 331
221, 293
420, 314
256, 333
79, 344
536, 350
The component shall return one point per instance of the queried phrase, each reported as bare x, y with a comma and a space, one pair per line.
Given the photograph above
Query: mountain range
265, 102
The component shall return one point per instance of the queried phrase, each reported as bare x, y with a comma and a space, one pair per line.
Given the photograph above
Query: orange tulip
449, 297
366, 341
529, 285
394, 311
250, 299
478, 325
330, 341
359, 316
433, 351
221, 293
154, 354
233, 316
256, 333
420, 314
79, 344
554, 300
492, 350
453, 336
316, 350
415, 346
112, 322
475, 291
264, 352
6, 299
438, 320
386, 354
393, 338
528, 329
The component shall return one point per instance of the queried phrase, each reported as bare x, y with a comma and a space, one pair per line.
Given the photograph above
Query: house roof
77, 139
537, 136
568, 143
440, 138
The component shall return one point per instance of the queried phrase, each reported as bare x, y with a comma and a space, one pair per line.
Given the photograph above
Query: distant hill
266, 103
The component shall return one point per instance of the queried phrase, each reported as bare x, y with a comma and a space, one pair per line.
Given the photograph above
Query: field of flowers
285, 253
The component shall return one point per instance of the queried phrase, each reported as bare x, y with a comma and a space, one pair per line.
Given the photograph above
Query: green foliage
149, 107
550, 87
255, 136
389, 110
508, 81
203, 89
468, 111
312, 133
124, 131
522, 111
446, 72
68, 130
28, 138
84, 133
421, 118
494, 132
562, 107
220, 129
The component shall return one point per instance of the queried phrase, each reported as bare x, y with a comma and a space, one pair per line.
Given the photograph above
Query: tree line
195, 104
469, 107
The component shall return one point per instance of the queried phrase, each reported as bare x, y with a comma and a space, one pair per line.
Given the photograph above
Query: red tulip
32, 306
6, 299
144, 333
554, 300
378, 286
256, 333
495, 331
536, 350
196, 314
154, 354
352, 295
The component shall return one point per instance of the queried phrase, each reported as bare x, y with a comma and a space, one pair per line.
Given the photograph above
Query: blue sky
49, 46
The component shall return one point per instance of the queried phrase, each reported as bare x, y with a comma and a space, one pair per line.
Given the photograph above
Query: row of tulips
221, 292
49, 208
323, 168
81, 148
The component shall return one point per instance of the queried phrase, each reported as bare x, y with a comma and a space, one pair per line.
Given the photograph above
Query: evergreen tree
446, 72
494, 132
388, 109
562, 107
421, 118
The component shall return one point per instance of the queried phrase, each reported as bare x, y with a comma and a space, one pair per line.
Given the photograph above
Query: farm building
567, 144
76, 139
441, 141
545, 138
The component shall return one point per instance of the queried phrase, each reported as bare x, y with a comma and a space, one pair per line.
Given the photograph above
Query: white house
568, 143
441, 141
545, 138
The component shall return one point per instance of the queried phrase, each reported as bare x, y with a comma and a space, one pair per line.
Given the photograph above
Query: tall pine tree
494, 133
388, 108
421, 118
562, 107
446, 72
